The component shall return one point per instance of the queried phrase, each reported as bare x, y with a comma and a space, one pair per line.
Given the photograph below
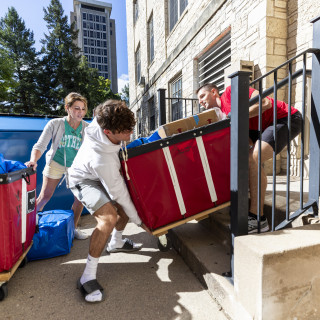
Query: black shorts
282, 132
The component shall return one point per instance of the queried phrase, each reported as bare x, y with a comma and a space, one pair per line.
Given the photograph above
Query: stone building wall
266, 32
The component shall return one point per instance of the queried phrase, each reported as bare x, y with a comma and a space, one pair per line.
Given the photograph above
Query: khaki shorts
92, 194
54, 170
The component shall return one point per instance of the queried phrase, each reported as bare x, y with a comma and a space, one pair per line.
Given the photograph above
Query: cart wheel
164, 243
3, 291
23, 262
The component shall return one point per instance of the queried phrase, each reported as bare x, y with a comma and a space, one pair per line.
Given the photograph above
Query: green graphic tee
70, 144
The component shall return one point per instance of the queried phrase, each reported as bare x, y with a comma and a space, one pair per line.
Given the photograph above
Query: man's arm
254, 109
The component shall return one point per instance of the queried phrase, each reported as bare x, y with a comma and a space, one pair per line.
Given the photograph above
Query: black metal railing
180, 107
240, 104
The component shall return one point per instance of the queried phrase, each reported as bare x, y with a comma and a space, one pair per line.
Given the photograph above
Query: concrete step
205, 245
208, 258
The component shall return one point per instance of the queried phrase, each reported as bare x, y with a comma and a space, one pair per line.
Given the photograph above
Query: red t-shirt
267, 116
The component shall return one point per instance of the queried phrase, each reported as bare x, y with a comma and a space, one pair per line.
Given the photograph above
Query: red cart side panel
217, 147
190, 171
151, 189
10, 226
12, 229
191, 177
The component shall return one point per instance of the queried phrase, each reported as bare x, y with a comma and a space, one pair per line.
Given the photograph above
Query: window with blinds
213, 63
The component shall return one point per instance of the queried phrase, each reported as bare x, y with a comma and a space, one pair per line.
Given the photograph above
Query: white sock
90, 273
116, 239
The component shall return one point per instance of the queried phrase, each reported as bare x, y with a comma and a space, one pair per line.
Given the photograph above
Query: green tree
17, 48
6, 77
125, 94
60, 58
64, 69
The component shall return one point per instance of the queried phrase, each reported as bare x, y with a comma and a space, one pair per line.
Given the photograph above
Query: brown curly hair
114, 115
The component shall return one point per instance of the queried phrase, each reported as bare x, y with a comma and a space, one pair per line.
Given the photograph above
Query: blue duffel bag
56, 232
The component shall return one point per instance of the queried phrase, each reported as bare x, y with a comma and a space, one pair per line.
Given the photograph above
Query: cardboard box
189, 123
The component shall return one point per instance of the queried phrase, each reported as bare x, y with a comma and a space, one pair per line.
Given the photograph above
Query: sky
31, 11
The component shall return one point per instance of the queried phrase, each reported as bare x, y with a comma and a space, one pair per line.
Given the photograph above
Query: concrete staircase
205, 245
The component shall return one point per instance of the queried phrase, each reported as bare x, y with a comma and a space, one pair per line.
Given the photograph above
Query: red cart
18, 221
180, 178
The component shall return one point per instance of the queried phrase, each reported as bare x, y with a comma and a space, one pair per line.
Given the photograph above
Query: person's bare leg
122, 218
106, 218
117, 243
77, 208
47, 189
266, 153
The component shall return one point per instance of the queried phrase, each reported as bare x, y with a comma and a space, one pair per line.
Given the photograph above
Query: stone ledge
277, 274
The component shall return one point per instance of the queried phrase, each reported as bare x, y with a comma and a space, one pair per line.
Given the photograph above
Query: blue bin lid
25, 123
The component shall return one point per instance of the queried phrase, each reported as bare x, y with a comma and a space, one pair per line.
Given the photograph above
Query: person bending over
209, 97
95, 179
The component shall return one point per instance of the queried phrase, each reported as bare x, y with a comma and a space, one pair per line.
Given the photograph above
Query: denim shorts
282, 132
92, 194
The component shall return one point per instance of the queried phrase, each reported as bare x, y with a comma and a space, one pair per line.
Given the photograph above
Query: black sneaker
253, 225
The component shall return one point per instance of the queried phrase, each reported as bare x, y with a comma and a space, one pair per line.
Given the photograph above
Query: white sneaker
80, 235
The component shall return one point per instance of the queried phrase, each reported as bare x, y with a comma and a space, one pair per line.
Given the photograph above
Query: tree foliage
32, 82
17, 49
125, 94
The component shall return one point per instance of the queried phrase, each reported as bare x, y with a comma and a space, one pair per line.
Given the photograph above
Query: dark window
176, 8
84, 16
110, 32
151, 40
90, 17
98, 43
103, 19
152, 117
84, 6
104, 27
105, 60
85, 49
110, 24
99, 59
138, 65
104, 35
105, 52
97, 18
136, 11
92, 50
91, 34
84, 24
176, 105
98, 26
85, 41
139, 121
98, 35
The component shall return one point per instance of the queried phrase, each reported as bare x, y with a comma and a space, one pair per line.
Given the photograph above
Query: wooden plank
200, 215
5, 276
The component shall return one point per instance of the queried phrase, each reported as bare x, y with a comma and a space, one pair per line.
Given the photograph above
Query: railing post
162, 106
239, 164
314, 179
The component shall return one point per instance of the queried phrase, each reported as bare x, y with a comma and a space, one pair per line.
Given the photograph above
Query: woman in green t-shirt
66, 135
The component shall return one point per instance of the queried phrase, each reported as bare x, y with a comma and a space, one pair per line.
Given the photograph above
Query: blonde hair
72, 97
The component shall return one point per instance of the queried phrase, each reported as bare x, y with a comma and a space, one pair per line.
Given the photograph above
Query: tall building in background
97, 37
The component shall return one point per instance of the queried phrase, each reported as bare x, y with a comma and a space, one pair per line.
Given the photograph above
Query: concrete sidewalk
144, 285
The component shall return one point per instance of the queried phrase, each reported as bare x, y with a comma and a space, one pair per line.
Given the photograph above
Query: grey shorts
282, 132
91, 194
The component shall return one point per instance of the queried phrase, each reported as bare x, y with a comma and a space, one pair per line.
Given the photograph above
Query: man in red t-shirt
209, 98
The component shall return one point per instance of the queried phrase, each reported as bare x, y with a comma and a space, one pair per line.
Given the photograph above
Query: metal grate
214, 62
